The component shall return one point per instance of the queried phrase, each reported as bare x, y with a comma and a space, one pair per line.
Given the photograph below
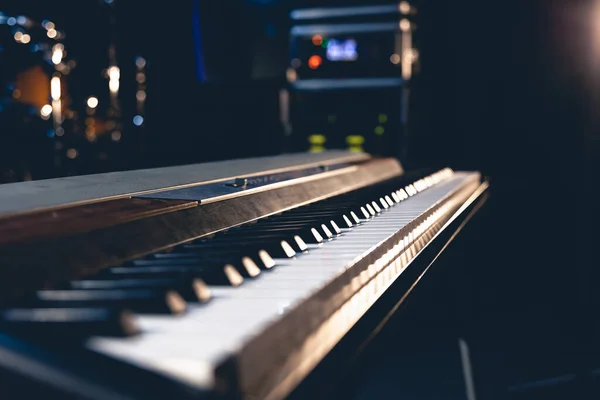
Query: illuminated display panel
359, 55
342, 50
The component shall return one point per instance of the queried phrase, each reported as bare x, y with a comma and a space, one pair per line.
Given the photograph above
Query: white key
190, 347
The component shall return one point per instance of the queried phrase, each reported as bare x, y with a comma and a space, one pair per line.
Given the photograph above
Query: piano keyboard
252, 309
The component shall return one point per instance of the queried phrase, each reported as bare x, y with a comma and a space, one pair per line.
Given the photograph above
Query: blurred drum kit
52, 123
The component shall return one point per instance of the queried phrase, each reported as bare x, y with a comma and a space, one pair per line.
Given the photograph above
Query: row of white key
189, 347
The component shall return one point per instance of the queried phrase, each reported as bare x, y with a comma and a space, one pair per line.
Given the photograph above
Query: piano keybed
248, 310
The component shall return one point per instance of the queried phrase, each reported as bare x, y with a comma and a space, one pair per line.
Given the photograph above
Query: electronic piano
220, 280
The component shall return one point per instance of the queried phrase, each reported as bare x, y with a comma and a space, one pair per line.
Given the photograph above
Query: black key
138, 300
273, 244
191, 289
289, 220
251, 235
335, 218
57, 323
324, 225
247, 266
315, 213
218, 276
304, 217
276, 245
308, 234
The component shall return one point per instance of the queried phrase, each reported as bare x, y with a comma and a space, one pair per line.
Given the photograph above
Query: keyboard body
230, 279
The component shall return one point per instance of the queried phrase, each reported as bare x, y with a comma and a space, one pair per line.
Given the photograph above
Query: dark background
508, 88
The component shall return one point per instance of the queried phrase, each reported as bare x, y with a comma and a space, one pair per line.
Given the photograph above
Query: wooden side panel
83, 218
42, 260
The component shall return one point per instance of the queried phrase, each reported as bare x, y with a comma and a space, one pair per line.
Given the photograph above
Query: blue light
108, 1
138, 120
341, 50
21, 20
11, 21
50, 133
